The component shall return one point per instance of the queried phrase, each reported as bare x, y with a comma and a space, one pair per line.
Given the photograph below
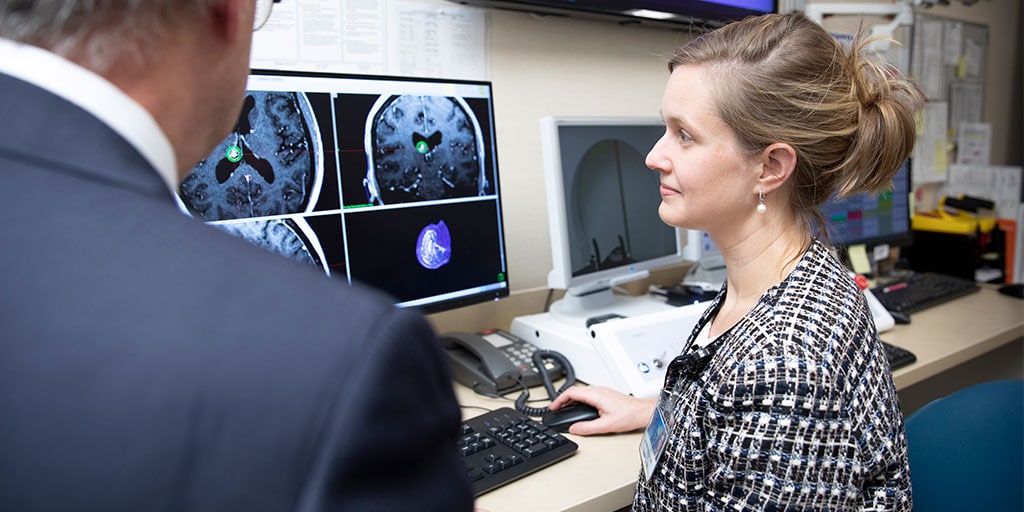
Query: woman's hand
619, 412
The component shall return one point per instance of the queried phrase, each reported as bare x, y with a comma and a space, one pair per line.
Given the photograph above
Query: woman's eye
685, 137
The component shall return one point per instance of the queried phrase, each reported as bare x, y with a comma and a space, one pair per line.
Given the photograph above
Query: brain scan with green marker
268, 165
422, 148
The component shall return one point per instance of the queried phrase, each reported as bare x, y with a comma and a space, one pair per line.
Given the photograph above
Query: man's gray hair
95, 33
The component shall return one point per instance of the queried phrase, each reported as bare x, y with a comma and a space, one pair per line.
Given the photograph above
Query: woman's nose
655, 159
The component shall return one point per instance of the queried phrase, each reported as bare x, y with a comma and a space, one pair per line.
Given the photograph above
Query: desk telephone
495, 361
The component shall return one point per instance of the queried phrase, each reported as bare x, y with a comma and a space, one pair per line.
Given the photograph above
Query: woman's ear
777, 164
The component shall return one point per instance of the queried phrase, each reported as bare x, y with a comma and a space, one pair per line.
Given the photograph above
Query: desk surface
602, 475
950, 334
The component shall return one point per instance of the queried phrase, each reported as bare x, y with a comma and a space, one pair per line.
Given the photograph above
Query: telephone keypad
520, 353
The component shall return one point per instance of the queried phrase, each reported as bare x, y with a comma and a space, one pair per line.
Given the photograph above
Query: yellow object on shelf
959, 223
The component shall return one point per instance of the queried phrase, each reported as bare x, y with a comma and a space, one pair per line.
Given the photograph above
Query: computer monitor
873, 220
675, 14
603, 206
388, 181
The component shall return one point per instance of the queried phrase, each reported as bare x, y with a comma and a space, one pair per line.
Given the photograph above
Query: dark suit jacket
150, 362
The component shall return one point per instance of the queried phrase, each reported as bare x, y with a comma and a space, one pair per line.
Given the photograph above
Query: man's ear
778, 161
232, 18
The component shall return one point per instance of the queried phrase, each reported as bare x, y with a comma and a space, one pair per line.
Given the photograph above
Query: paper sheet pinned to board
974, 142
930, 164
381, 37
428, 40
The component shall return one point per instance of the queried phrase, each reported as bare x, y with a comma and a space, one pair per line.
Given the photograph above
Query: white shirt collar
97, 96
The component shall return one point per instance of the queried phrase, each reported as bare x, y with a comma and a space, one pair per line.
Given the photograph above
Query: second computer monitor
881, 219
603, 201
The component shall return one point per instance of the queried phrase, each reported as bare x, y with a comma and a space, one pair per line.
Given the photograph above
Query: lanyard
684, 368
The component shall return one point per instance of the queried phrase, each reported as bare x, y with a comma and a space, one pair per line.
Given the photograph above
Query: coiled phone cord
538, 361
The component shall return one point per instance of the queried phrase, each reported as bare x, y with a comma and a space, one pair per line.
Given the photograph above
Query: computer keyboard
898, 357
504, 445
919, 291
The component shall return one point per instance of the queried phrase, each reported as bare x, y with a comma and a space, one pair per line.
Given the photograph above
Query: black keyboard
915, 292
504, 445
898, 357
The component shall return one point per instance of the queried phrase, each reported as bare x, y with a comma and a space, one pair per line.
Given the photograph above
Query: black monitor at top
872, 219
388, 181
692, 14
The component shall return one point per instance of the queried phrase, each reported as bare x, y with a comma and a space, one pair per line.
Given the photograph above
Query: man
148, 362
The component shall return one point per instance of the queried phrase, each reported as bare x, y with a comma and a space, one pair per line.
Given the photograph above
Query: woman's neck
753, 266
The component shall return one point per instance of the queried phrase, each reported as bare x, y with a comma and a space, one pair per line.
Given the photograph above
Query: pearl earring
761, 208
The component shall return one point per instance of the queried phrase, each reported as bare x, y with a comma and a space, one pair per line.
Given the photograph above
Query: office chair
967, 449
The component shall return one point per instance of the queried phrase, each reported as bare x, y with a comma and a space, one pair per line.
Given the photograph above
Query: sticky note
859, 259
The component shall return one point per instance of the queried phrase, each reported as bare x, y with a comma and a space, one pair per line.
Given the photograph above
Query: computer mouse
1013, 290
561, 419
900, 317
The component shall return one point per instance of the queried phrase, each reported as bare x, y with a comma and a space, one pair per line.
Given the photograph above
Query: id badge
652, 446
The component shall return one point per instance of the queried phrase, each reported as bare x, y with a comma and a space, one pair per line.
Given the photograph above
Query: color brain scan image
422, 148
269, 164
434, 246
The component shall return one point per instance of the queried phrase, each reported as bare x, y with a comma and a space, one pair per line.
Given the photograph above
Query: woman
784, 398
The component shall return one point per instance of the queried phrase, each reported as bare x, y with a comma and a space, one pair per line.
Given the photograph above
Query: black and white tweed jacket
796, 409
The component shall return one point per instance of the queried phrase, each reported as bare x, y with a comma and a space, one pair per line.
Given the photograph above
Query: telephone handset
495, 361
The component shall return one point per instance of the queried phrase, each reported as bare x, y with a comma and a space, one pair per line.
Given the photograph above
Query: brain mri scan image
422, 148
290, 237
269, 164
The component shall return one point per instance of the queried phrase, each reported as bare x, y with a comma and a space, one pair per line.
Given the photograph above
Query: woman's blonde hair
783, 78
